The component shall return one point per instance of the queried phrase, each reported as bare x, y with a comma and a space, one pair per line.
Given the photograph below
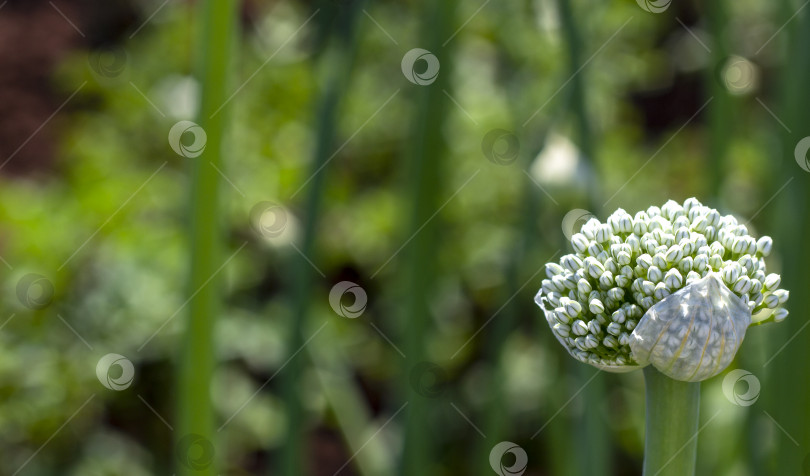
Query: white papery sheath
694, 333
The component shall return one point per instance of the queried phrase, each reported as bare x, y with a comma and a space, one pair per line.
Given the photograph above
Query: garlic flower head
675, 287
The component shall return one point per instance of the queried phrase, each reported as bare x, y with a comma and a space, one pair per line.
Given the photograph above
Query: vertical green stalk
424, 157
670, 442
337, 56
197, 360
590, 430
722, 112
788, 392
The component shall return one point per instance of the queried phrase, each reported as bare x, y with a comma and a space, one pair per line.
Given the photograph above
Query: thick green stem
195, 429
670, 446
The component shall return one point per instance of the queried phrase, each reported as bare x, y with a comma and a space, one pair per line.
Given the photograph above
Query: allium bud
670, 261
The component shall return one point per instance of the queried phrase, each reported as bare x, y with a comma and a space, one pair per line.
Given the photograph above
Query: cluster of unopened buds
607, 303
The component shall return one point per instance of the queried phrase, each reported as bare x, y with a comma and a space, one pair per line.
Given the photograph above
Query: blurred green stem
670, 447
336, 58
197, 360
590, 430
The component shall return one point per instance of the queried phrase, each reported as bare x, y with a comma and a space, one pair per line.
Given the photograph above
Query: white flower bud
614, 328
596, 306
771, 301
647, 287
610, 342
673, 280
584, 287
780, 314
688, 246
646, 302
672, 210
782, 294
692, 277
751, 245
610, 265
748, 264
621, 281
560, 283
639, 226
645, 261
700, 263
661, 291
682, 233
685, 265
580, 243
571, 263
731, 273
739, 245
606, 280
772, 281
572, 308
660, 261
634, 243
593, 328
618, 316
691, 203
624, 338
654, 274
716, 262
553, 269
579, 328
700, 224
630, 325
714, 217
594, 267
674, 254
561, 329
756, 286
603, 234
764, 245
710, 233
623, 258
616, 294
743, 285
591, 342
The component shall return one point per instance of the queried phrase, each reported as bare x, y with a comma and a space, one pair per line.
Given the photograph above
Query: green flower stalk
674, 288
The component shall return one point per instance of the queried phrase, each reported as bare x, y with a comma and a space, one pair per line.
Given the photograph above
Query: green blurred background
345, 157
